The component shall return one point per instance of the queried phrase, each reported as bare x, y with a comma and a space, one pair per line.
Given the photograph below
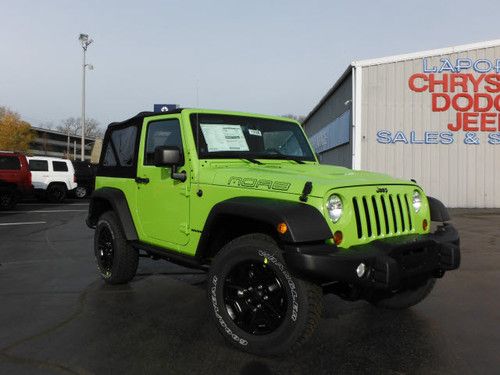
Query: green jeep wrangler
243, 197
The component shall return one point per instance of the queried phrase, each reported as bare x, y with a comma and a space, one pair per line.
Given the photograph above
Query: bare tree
71, 126
298, 118
47, 125
93, 128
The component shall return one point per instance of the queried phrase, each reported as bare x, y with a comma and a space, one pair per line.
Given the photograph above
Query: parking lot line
24, 223
40, 211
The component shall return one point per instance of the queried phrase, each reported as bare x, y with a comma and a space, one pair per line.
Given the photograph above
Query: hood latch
308, 186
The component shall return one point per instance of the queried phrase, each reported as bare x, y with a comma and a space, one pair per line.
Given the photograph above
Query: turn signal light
425, 224
282, 228
338, 237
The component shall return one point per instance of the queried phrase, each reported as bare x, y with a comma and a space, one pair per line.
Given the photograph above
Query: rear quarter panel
20, 177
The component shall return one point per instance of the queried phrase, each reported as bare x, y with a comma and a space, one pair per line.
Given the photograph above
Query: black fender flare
439, 212
106, 198
305, 223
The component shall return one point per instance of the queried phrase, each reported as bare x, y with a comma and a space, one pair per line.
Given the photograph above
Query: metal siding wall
460, 175
329, 111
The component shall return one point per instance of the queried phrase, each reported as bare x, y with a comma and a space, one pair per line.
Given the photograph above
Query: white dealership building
432, 116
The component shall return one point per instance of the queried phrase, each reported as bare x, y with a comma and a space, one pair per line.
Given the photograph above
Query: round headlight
416, 201
334, 207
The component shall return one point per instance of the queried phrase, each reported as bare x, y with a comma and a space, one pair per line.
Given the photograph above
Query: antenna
198, 131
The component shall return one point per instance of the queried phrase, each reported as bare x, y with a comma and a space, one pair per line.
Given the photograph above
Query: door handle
141, 180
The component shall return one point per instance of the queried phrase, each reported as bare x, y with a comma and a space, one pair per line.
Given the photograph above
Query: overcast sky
272, 57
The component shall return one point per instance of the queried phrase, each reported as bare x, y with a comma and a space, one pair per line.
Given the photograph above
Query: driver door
162, 203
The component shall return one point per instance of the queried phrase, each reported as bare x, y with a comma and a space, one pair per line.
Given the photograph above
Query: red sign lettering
476, 99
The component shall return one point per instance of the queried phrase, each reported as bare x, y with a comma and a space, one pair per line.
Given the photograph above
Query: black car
85, 178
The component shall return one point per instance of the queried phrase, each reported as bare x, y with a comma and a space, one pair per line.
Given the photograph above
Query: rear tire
8, 200
81, 192
256, 303
406, 298
56, 193
116, 259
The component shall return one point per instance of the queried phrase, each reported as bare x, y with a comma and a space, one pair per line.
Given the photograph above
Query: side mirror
167, 156
170, 156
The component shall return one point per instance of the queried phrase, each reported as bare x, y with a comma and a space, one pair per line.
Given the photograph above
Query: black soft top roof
138, 118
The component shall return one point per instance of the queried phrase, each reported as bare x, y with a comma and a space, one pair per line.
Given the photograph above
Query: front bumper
389, 262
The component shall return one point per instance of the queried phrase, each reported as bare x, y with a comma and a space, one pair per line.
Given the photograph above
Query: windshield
226, 136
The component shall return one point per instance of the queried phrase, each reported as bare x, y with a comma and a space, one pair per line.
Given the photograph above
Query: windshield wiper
288, 157
251, 160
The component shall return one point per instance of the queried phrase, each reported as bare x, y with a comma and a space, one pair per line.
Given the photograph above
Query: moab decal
256, 183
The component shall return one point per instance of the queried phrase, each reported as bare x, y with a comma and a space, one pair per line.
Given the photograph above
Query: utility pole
67, 144
85, 41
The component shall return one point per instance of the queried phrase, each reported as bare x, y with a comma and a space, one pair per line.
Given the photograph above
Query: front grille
382, 214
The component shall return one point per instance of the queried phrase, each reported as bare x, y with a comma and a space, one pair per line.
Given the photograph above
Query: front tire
56, 193
406, 298
116, 259
256, 303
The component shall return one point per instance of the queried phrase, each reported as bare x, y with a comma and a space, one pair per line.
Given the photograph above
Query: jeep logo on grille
382, 190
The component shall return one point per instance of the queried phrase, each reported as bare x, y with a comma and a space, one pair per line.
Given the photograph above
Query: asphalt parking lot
57, 316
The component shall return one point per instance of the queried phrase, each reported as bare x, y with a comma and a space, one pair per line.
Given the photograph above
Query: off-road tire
125, 258
303, 299
56, 193
406, 298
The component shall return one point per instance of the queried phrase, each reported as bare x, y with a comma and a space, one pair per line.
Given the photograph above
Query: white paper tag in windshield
255, 132
223, 137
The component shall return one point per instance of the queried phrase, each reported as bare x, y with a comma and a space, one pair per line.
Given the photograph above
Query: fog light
337, 237
360, 271
425, 224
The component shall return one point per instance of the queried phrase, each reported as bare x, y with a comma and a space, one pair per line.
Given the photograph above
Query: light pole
85, 41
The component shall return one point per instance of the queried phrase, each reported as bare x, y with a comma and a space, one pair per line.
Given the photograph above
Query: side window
38, 165
59, 166
119, 149
161, 133
109, 157
123, 141
9, 163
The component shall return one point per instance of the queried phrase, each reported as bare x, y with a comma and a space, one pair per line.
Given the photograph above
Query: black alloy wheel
257, 304
255, 298
104, 251
116, 258
81, 192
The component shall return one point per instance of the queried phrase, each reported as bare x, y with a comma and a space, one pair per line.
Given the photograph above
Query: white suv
52, 178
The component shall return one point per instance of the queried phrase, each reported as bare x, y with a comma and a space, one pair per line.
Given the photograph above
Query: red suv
15, 179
